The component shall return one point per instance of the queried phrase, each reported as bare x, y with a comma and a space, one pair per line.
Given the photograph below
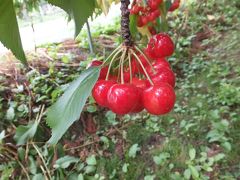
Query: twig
43, 161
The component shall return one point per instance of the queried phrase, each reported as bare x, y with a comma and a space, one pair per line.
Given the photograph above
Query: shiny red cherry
135, 9
95, 63
152, 30
143, 61
175, 5
100, 92
127, 73
158, 64
123, 98
141, 85
164, 75
159, 99
104, 70
160, 45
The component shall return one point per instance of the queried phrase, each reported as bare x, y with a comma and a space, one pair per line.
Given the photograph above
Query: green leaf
187, 174
9, 31
24, 133
168, 4
2, 135
192, 154
32, 165
79, 10
68, 108
38, 177
89, 169
80, 177
219, 157
133, 150
125, 167
161, 159
150, 177
10, 114
194, 171
91, 160
65, 162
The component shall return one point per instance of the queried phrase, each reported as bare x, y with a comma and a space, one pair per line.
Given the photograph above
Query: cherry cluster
148, 13
145, 82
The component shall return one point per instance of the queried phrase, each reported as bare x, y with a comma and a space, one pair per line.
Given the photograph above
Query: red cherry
95, 63
159, 99
141, 85
148, 54
145, 20
113, 78
152, 30
140, 22
135, 9
100, 91
156, 13
150, 50
158, 64
164, 75
150, 17
123, 98
153, 4
175, 5
144, 63
103, 73
161, 45
159, 1
104, 70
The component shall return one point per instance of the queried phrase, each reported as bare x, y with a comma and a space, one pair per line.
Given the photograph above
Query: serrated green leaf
24, 133
65, 162
69, 106
79, 10
9, 30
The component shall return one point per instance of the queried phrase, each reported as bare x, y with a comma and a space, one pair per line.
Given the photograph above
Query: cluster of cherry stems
142, 80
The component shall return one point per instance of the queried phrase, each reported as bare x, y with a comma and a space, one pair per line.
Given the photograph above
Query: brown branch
125, 30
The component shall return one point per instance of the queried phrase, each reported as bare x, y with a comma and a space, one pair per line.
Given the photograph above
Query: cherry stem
148, 61
122, 62
130, 66
110, 65
117, 49
139, 61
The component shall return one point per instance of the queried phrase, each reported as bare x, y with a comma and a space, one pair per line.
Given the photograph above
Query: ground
200, 139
